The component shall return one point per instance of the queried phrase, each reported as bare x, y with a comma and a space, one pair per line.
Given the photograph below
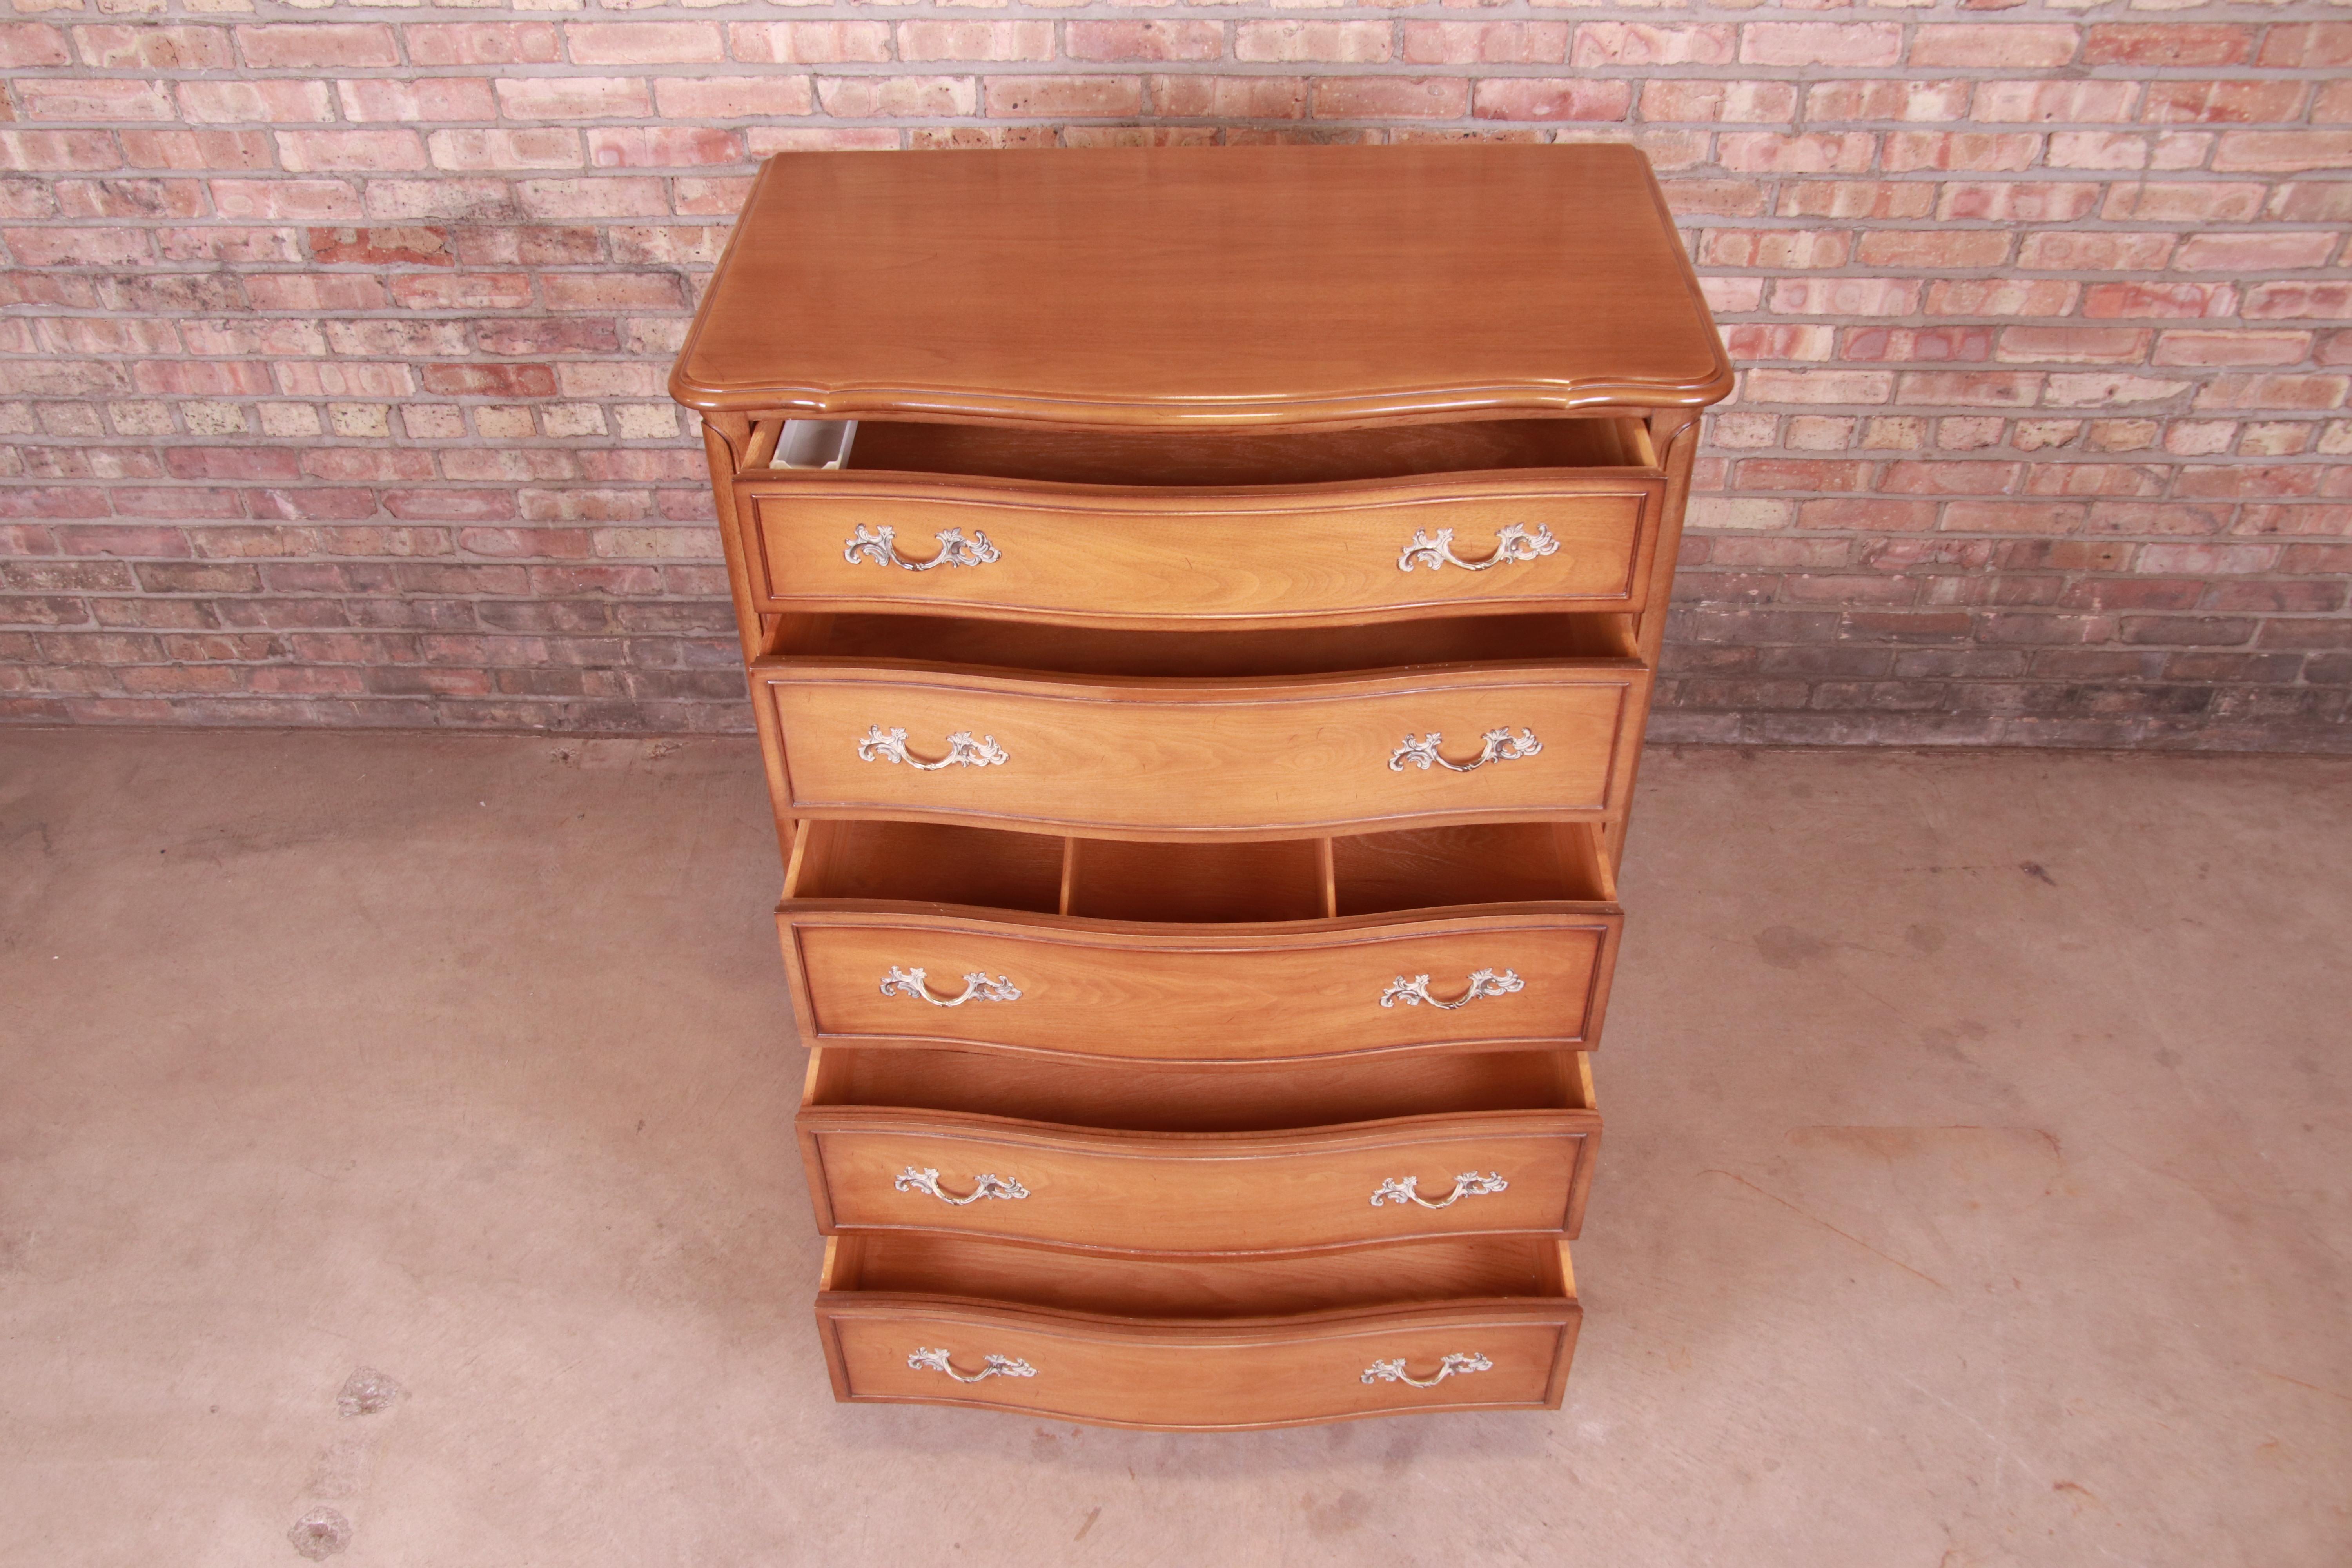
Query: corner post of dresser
725, 438
1674, 436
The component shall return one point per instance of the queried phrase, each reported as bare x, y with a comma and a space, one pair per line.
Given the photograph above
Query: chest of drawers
1199, 608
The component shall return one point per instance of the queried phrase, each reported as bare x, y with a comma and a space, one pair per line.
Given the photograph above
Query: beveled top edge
1402, 403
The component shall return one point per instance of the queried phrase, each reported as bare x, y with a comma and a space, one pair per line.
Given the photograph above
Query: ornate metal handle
977, 987
882, 745
990, 1185
1514, 543
1412, 992
1402, 1190
880, 545
1421, 753
996, 1366
1394, 1372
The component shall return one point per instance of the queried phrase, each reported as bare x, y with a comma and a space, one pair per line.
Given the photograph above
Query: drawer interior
1202, 459
1396, 1274
1139, 1097
1042, 648
1280, 879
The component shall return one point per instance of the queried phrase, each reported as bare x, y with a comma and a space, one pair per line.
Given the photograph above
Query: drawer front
1236, 758
1201, 1377
1087, 988
875, 1168
1567, 541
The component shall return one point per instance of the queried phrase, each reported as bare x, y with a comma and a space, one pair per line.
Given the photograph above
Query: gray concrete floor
1975, 1190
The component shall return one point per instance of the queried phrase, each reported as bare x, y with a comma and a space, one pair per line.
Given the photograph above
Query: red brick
1917, 344
1424, 98
1521, 98
1856, 198
2059, 102
2167, 43
31, 151
490, 380
482, 43
377, 99
809, 43
2282, 152
662, 146
2016, 46
2290, 301
966, 40
644, 43
95, 98
1820, 43
1860, 98
2075, 346
1941, 248
1088, 97
2223, 103
291, 45
462, 291
1765, 152
32, 44
2267, 252
573, 98
1727, 103
1087, 40
455, 506
2178, 300
265, 101
1602, 43
1964, 149
2102, 251
360, 152
2017, 201
716, 98
2307, 45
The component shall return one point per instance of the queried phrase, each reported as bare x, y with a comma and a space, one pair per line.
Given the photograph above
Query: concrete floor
1975, 1189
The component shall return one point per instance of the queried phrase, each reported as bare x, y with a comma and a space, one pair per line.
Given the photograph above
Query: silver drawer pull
977, 987
1412, 992
880, 545
995, 1366
1403, 1190
1513, 542
1422, 752
990, 1185
1394, 1372
882, 745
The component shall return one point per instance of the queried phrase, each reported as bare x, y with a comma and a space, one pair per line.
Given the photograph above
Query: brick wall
332, 371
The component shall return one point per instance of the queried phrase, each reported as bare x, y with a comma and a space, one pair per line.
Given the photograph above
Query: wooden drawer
1102, 558
873, 1167
1200, 1344
884, 943
1163, 528
1115, 756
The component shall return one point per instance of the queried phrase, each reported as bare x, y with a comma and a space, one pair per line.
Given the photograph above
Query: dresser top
1204, 286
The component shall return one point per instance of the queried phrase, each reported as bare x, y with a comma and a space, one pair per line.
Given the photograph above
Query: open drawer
1168, 526
1238, 735
1234, 1159
1485, 1322
908, 933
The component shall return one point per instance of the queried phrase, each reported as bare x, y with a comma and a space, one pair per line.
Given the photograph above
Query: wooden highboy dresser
1201, 606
